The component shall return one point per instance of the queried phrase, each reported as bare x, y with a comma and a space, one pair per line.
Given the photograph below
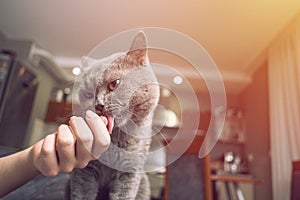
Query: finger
65, 147
84, 140
104, 119
49, 164
100, 132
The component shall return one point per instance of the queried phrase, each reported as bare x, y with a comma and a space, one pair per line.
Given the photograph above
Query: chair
188, 176
295, 192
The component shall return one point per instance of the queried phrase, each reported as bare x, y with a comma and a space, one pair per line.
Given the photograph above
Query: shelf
231, 141
58, 112
235, 178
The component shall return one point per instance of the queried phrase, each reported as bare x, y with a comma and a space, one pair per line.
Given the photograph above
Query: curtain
284, 98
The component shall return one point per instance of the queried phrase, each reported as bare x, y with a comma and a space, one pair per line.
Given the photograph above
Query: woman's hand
72, 146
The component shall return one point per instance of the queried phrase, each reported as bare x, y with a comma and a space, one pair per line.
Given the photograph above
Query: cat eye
113, 85
89, 95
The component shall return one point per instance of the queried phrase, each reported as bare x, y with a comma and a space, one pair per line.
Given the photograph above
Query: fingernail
91, 114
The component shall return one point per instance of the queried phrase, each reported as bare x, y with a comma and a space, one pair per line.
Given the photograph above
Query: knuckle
46, 151
62, 129
64, 137
50, 173
67, 169
82, 164
65, 141
86, 138
48, 148
106, 144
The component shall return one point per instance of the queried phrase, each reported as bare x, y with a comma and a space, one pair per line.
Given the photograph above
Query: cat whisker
78, 109
63, 119
70, 113
162, 136
120, 103
112, 107
166, 142
133, 114
114, 103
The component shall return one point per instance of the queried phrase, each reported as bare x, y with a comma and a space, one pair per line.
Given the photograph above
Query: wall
37, 129
254, 100
46, 83
2, 38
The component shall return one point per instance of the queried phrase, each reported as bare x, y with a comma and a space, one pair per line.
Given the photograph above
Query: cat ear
86, 63
138, 49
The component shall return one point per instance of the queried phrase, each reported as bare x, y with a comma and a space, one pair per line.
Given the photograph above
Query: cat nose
99, 107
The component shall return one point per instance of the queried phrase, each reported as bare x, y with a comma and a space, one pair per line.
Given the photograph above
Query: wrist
29, 156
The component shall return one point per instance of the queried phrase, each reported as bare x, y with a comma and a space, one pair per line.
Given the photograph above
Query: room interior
46, 41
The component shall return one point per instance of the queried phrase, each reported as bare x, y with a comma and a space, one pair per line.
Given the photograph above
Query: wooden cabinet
59, 112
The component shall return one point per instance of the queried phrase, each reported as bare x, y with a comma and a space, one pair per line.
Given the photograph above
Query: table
235, 179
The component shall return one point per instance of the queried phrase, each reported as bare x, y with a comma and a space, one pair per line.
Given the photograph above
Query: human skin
72, 146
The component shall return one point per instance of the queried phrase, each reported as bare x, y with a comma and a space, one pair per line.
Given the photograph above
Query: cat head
122, 86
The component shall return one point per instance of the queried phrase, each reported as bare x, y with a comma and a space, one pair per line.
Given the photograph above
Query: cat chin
120, 121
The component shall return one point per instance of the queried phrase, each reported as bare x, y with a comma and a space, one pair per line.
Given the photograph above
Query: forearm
15, 170
56, 153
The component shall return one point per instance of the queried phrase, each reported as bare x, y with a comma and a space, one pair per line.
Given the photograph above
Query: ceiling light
177, 80
165, 92
171, 118
76, 71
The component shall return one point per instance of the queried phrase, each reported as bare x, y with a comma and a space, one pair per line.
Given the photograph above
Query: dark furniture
188, 177
295, 192
235, 180
18, 86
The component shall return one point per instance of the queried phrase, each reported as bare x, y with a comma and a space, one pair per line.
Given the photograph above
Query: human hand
72, 146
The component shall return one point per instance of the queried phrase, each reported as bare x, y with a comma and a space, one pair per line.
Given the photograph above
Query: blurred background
42, 43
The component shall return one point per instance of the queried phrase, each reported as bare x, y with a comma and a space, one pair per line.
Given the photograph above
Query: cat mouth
110, 121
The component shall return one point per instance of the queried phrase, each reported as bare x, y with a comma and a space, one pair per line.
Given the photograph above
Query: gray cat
123, 88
